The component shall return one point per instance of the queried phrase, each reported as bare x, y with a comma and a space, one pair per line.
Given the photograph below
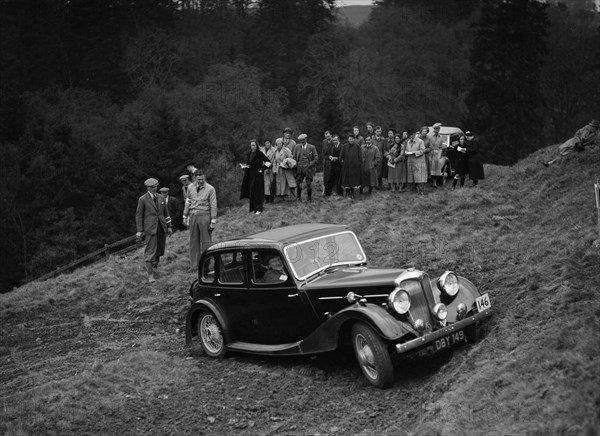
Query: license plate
483, 302
448, 341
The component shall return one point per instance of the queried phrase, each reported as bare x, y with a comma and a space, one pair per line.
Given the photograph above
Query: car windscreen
310, 256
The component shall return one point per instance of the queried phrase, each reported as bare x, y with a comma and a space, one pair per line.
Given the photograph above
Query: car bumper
430, 337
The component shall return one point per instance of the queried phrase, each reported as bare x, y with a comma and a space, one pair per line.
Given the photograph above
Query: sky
342, 3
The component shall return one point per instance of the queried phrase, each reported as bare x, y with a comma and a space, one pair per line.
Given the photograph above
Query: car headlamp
440, 311
448, 283
420, 325
399, 301
461, 311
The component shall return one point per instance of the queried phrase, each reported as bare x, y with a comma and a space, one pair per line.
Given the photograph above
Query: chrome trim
409, 274
343, 298
430, 337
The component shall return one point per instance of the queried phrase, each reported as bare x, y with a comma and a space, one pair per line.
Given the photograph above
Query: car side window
208, 270
231, 269
268, 267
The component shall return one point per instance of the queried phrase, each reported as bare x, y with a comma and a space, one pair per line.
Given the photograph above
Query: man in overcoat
325, 145
173, 208
350, 160
153, 222
331, 156
371, 162
306, 165
382, 145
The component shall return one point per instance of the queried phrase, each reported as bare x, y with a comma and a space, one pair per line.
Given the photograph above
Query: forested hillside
98, 95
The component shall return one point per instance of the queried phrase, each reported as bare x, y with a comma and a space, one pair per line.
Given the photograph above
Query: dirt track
241, 394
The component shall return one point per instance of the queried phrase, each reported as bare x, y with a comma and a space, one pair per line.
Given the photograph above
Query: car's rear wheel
372, 356
211, 336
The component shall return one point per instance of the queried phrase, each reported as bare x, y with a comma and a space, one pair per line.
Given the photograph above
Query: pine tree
505, 100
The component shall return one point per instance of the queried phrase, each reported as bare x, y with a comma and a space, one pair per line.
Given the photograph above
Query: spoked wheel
211, 335
372, 356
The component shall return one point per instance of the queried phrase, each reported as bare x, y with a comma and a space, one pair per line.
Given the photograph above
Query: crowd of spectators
356, 164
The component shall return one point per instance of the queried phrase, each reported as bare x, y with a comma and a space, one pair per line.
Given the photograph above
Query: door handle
293, 295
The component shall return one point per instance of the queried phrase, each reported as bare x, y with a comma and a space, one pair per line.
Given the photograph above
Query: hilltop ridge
101, 336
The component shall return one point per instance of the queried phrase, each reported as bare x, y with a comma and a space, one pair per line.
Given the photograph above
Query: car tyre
211, 335
471, 333
372, 355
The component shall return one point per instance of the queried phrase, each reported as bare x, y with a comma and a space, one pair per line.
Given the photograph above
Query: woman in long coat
416, 163
397, 158
435, 155
350, 158
253, 184
284, 175
269, 176
475, 166
462, 161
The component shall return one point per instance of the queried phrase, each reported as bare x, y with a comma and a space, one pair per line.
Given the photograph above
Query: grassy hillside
101, 351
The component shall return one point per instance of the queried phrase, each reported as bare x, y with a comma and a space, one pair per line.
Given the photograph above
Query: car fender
326, 336
468, 292
192, 316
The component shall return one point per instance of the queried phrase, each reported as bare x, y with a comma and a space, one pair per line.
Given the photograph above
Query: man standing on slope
152, 221
200, 215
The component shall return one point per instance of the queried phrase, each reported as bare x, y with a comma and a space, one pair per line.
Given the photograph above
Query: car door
279, 312
230, 291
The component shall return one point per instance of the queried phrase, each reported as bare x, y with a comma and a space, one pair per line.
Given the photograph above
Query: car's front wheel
372, 355
211, 336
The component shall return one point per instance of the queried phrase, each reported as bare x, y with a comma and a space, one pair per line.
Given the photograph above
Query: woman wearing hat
283, 164
396, 162
462, 161
416, 163
475, 165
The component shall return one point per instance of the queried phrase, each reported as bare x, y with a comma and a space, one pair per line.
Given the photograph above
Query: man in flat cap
306, 165
174, 209
200, 215
288, 141
435, 155
185, 182
152, 221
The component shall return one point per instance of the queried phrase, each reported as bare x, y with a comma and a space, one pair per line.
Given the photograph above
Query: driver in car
275, 272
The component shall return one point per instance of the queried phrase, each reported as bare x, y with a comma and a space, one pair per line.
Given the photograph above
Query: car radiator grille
420, 292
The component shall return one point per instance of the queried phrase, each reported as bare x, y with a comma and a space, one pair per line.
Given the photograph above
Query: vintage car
306, 289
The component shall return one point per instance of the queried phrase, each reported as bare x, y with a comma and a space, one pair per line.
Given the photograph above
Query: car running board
280, 349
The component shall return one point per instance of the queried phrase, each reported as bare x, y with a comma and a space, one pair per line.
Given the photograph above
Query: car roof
281, 236
447, 130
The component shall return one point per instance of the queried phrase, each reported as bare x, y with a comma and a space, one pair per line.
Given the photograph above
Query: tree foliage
505, 101
98, 95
